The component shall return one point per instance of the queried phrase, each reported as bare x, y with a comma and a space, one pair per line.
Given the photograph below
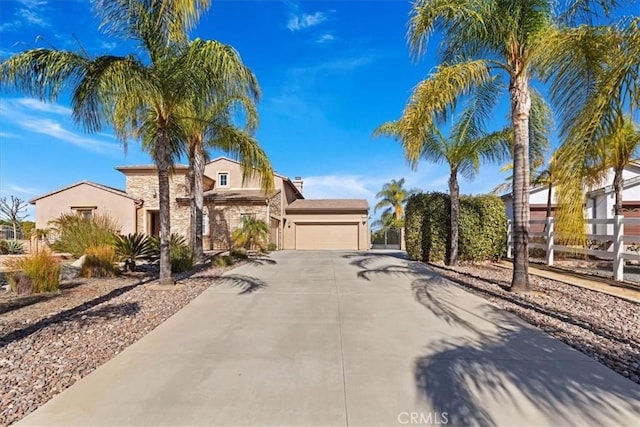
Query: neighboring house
88, 198
600, 201
294, 222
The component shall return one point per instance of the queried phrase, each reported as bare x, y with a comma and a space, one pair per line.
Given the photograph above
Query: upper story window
223, 179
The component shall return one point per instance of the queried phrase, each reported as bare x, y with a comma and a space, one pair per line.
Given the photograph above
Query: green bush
78, 233
427, 226
40, 273
130, 248
482, 227
181, 259
4, 247
181, 256
239, 254
272, 247
99, 262
223, 261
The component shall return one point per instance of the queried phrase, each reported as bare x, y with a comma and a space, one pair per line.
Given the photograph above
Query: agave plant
11, 247
131, 247
15, 247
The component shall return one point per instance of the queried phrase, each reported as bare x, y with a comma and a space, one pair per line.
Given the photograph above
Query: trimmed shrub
482, 227
4, 247
427, 226
272, 247
130, 248
99, 262
40, 273
78, 233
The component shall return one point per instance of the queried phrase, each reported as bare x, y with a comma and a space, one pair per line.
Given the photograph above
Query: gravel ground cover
602, 326
51, 341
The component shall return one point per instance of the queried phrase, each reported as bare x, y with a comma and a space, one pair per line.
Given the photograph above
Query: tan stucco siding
121, 209
234, 171
326, 220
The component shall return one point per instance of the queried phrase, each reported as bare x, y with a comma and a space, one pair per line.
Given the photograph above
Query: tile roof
231, 196
328, 205
117, 191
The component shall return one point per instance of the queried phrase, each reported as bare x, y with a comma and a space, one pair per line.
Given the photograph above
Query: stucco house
294, 222
600, 201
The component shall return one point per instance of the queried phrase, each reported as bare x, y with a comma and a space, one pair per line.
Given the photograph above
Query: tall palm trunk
520, 111
617, 188
196, 175
163, 162
454, 194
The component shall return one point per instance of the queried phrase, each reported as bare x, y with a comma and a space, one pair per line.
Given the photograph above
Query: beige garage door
327, 236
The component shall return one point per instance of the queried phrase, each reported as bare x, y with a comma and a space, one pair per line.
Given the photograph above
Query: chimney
297, 182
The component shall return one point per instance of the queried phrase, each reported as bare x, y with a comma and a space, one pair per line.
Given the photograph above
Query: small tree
14, 210
393, 197
253, 232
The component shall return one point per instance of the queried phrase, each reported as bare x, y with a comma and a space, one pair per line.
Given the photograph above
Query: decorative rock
78, 263
69, 272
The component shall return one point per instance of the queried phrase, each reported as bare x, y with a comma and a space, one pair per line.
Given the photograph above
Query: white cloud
109, 45
55, 130
301, 21
325, 38
32, 13
32, 17
21, 191
337, 187
38, 117
37, 105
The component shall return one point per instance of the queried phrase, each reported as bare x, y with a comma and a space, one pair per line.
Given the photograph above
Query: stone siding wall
145, 186
223, 219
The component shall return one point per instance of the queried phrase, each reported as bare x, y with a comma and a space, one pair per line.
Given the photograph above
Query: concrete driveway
337, 339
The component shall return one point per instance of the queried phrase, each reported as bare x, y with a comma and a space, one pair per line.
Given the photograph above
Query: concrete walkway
337, 339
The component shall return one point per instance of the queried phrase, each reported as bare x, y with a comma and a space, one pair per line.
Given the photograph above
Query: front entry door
153, 223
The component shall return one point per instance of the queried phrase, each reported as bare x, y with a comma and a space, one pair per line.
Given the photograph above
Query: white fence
618, 242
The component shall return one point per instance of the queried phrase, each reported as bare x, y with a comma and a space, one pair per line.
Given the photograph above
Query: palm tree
393, 196
138, 97
209, 126
596, 88
548, 178
253, 232
462, 150
623, 147
480, 37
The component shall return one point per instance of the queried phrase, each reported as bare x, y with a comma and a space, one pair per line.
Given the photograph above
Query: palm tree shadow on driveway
246, 284
509, 367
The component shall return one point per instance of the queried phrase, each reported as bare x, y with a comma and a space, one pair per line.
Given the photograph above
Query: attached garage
327, 224
327, 236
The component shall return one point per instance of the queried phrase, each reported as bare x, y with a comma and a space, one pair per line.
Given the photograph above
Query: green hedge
482, 227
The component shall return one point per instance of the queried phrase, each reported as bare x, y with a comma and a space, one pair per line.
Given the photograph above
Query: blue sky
330, 73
